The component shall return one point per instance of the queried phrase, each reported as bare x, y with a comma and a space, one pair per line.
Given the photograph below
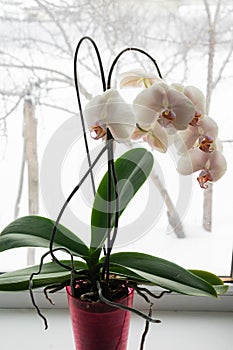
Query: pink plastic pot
97, 326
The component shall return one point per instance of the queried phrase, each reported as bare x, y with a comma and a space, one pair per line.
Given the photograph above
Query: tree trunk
21, 181
207, 212
173, 217
208, 193
30, 137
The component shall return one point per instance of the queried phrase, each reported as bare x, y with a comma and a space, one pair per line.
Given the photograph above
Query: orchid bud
137, 78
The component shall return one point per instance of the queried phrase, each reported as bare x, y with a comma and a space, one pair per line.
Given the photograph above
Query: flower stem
121, 53
87, 38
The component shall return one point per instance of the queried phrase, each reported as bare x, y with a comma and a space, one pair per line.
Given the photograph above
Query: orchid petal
177, 86
182, 107
155, 143
218, 145
157, 138
94, 110
212, 165
121, 132
192, 161
119, 117
113, 112
149, 103
208, 126
197, 98
186, 139
138, 134
218, 165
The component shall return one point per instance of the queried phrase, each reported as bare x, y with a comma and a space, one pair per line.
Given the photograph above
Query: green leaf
217, 283
51, 273
164, 273
35, 231
124, 273
132, 169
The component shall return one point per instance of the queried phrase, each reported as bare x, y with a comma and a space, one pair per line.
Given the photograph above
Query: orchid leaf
35, 231
216, 281
164, 273
208, 276
51, 273
132, 169
126, 274
221, 289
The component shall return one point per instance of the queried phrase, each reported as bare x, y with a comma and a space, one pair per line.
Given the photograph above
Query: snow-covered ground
144, 225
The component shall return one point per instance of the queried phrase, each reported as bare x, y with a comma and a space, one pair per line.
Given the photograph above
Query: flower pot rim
68, 290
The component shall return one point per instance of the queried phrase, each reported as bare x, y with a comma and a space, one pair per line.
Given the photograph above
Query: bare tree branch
55, 106
58, 24
12, 109
34, 67
223, 66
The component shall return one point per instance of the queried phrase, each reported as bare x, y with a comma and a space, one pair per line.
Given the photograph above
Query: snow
144, 226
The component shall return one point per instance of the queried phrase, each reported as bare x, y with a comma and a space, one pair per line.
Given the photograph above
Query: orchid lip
168, 114
203, 178
206, 143
196, 120
99, 132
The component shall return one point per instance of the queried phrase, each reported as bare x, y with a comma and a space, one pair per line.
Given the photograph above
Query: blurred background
42, 154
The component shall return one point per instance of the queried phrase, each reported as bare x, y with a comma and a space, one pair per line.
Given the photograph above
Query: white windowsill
169, 302
186, 323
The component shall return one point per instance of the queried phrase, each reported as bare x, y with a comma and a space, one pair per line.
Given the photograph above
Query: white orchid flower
202, 135
212, 165
157, 139
155, 136
196, 97
171, 108
109, 110
137, 78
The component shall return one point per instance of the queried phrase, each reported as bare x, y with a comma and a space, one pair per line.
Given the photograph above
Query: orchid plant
161, 114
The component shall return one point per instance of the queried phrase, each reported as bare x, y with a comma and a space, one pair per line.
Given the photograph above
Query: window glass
41, 143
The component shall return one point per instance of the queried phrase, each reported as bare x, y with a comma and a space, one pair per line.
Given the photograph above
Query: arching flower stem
126, 50
87, 38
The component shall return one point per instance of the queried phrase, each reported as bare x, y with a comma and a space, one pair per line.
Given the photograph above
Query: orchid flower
171, 108
212, 166
137, 78
155, 136
196, 97
202, 135
109, 110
